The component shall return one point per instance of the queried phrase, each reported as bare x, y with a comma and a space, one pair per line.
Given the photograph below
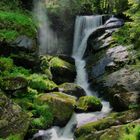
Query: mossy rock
88, 104
61, 104
72, 89
14, 84
62, 71
92, 129
12, 119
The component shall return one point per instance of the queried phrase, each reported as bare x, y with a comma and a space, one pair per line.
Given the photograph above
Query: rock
62, 106
111, 60
62, 71
123, 88
88, 104
114, 23
12, 119
14, 84
101, 37
72, 89
26, 43
96, 129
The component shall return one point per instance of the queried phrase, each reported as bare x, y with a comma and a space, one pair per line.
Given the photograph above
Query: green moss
14, 24
6, 64
13, 137
41, 83
57, 63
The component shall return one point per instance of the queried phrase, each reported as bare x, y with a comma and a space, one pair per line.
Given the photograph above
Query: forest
70, 70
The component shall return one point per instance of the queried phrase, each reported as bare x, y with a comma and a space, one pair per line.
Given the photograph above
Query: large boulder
12, 119
95, 130
122, 88
88, 104
62, 71
72, 89
62, 106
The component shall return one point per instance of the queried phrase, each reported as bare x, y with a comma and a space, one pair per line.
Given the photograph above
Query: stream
84, 26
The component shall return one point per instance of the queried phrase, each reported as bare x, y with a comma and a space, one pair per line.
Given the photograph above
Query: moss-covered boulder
62, 106
88, 104
13, 84
72, 89
122, 132
94, 130
13, 120
62, 71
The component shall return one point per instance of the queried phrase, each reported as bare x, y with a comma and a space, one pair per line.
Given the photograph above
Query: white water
84, 26
48, 39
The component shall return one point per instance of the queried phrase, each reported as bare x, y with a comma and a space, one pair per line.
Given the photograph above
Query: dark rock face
12, 119
72, 89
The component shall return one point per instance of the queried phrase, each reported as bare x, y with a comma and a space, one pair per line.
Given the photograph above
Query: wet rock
72, 89
88, 104
96, 129
62, 106
12, 119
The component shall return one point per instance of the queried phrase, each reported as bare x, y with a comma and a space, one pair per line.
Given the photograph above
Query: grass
14, 24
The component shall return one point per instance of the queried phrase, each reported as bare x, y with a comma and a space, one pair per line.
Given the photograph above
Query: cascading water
84, 26
48, 39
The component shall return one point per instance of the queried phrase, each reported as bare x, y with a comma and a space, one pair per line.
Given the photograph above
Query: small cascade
48, 39
84, 26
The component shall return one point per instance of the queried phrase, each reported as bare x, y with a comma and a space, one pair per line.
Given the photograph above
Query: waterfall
48, 39
84, 26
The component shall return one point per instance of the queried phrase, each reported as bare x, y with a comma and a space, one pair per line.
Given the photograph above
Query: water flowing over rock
84, 26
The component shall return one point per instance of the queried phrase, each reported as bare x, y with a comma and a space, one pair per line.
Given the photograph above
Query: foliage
41, 82
132, 133
12, 137
14, 24
8, 69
